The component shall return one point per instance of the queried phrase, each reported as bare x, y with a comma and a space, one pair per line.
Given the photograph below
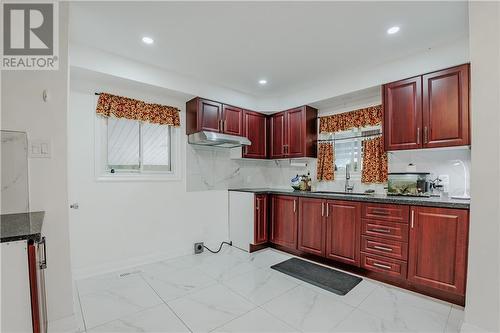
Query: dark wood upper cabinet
232, 120
311, 226
255, 129
278, 135
438, 248
206, 115
343, 220
294, 133
402, 102
203, 115
427, 111
261, 220
446, 107
284, 218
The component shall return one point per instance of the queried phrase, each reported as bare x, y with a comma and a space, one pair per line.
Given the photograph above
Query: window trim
102, 174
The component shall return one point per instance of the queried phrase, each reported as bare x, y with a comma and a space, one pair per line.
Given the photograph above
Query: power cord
220, 247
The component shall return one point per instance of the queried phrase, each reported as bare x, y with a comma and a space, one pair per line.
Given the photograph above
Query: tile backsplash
210, 168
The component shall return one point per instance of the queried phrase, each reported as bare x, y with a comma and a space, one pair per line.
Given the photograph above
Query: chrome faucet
348, 188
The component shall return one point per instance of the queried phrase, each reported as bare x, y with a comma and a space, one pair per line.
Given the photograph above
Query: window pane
155, 147
123, 144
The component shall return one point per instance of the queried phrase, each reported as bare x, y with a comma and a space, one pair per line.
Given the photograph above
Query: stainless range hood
205, 138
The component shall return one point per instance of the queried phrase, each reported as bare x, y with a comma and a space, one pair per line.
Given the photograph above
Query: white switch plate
39, 149
445, 181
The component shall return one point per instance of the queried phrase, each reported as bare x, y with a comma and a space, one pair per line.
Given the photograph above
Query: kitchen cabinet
343, 231
294, 133
284, 218
261, 220
427, 111
402, 101
438, 248
278, 135
232, 120
446, 107
255, 129
206, 115
311, 227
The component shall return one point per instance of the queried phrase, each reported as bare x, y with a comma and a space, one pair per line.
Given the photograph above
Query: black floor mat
329, 279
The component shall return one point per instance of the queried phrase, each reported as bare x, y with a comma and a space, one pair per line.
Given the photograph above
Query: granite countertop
21, 226
378, 198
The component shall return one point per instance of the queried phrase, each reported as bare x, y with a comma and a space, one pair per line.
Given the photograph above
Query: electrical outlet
198, 248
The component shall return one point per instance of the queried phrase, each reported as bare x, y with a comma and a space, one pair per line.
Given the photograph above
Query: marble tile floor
234, 291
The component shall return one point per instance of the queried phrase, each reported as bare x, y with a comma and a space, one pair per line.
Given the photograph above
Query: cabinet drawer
394, 213
387, 230
393, 249
391, 267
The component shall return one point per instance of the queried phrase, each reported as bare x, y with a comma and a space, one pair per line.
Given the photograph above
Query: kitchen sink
344, 193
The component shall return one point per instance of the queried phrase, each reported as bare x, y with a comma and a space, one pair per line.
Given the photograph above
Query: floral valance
369, 116
123, 107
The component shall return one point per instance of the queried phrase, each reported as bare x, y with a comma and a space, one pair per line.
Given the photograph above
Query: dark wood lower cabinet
438, 248
284, 221
425, 252
311, 236
343, 231
261, 220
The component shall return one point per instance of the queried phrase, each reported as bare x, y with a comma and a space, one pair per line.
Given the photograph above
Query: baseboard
109, 267
469, 328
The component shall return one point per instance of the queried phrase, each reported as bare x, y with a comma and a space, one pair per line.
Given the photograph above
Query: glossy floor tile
235, 291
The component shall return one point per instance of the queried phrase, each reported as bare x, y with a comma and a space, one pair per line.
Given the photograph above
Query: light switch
40, 149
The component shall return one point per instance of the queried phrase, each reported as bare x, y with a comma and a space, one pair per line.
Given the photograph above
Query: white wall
121, 224
352, 79
483, 283
24, 110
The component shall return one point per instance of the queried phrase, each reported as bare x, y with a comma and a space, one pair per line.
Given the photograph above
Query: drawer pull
381, 266
385, 231
381, 212
383, 248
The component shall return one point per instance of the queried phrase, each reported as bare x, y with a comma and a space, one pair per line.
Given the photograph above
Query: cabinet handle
383, 248
381, 266
412, 218
426, 135
381, 212
258, 206
43, 263
327, 213
322, 209
418, 135
385, 231
294, 205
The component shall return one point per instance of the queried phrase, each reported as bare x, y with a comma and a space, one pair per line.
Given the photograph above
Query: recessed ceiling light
392, 30
147, 40
262, 82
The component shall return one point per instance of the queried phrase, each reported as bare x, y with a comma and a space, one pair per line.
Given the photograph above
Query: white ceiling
294, 45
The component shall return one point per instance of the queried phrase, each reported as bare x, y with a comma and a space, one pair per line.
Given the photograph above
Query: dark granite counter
21, 226
378, 198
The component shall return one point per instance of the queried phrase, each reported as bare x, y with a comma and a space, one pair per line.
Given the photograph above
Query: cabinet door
403, 114
278, 135
232, 120
343, 220
284, 217
438, 248
311, 233
255, 129
295, 134
260, 226
210, 115
446, 107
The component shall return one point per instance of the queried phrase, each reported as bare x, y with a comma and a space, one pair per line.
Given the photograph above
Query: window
134, 146
348, 149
